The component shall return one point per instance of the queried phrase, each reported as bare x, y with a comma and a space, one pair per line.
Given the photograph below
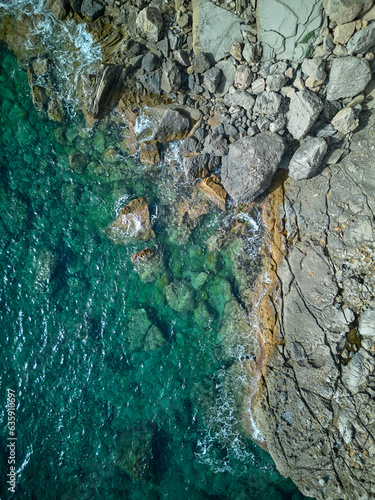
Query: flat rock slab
307, 159
343, 11
207, 17
251, 162
348, 77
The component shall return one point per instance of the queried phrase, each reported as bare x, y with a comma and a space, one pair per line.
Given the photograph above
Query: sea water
117, 394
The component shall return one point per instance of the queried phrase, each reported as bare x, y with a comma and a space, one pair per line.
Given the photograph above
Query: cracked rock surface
316, 405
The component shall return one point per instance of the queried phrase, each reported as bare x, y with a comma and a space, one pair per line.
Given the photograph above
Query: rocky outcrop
133, 223
106, 90
315, 406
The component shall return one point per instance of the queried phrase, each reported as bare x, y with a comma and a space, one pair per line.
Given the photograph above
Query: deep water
118, 395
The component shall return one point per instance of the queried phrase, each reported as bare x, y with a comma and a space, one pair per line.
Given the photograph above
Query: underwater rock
132, 223
180, 296
135, 455
78, 162
154, 339
149, 264
56, 111
39, 97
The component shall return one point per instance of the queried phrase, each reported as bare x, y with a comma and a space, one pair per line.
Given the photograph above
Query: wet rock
150, 154
304, 109
150, 24
241, 98
211, 79
180, 297
308, 158
152, 82
345, 121
56, 111
149, 264
251, 162
92, 10
268, 103
362, 41
60, 8
173, 125
314, 68
78, 162
132, 223
201, 62
348, 77
212, 187
39, 97
171, 78
196, 166
342, 11
243, 77
106, 88
206, 36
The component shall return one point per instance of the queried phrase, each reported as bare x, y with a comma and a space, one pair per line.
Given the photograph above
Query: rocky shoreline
280, 98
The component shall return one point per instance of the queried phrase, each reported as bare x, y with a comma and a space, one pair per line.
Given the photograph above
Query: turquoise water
122, 391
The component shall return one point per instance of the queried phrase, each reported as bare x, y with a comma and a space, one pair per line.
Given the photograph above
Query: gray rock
175, 40
258, 86
228, 73
307, 160
60, 8
314, 68
181, 56
263, 124
171, 78
348, 77
268, 103
275, 82
362, 41
240, 98
173, 125
278, 68
243, 77
211, 79
152, 82
304, 109
207, 17
190, 145
196, 166
201, 62
217, 146
367, 324
278, 125
107, 84
345, 121
150, 62
251, 162
249, 52
343, 11
92, 10
150, 24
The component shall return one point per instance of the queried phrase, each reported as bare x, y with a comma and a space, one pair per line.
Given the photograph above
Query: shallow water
118, 394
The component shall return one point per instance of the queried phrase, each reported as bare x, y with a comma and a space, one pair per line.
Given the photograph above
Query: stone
143, 255
343, 11
201, 62
236, 51
328, 43
304, 109
78, 162
367, 324
135, 455
275, 82
206, 36
268, 103
60, 8
149, 23
149, 153
181, 56
183, 21
171, 77
152, 82
345, 121
107, 85
132, 223
348, 77
251, 162
150, 62
258, 86
340, 51
362, 41
243, 77
212, 187
343, 32
180, 297
173, 125
39, 97
56, 111
249, 52
314, 68
92, 10
196, 166
228, 73
149, 264
211, 79
307, 160
241, 98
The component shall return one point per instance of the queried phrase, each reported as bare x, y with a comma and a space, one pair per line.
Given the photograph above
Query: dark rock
190, 145
92, 10
201, 62
149, 153
175, 41
39, 97
108, 84
181, 56
152, 82
217, 146
60, 8
78, 162
56, 111
196, 166
150, 62
173, 125
251, 162
163, 46
171, 77
307, 160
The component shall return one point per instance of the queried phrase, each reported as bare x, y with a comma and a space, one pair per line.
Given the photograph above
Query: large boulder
171, 78
304, 109
307, 159
362, 41
207, 17
343, 11
180, 296
92, 10
348, 77
150, 24
251, 162
173, 125
133, 223
106, 89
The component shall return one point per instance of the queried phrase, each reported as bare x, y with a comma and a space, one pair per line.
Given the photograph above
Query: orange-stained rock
143, 255
150, 154
211, 186
132, 223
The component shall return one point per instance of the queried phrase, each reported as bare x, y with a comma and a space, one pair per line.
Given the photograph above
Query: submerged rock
149, 264
135, 455
251, 162
132, 223
180, 297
